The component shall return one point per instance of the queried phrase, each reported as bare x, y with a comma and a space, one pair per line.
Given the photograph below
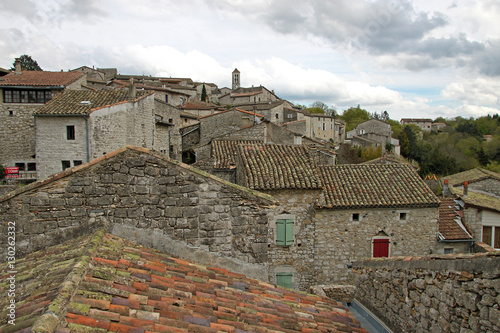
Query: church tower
236, 79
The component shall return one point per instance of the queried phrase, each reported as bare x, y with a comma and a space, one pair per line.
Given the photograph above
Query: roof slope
276, 167
225, 151
70, 101
451, 226
478, 199
374, 185
40, 78
114, 285
473, 175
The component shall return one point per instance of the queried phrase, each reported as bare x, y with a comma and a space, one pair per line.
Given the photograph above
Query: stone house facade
289, 175
241, 95
478, 191
371, 210
22, 93
323, 127
373, 132
423, 124
278, 112
79, 126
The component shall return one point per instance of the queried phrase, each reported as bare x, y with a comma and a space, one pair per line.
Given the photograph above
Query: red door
381, 247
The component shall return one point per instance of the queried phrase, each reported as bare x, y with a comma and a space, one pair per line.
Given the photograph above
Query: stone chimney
17, 66
466, 187
446, 189
132, 93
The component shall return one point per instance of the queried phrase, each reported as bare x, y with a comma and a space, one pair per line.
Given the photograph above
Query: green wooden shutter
284, 232
289, 232
284, 280
280, 232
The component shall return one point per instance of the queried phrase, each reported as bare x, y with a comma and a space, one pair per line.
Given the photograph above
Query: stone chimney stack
446, 190
466, 187
17, 66
132, 93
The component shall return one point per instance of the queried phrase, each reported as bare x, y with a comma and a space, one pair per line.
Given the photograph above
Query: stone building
321, 126
289, 175
371, 210
241, 95
76, 127
478, 192
276, 227
375, 133
278, 112
423, 123
22, 94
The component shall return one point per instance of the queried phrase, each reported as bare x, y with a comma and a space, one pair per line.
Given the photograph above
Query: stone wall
299, 258
136, 191
167, 136
434, 293
53, 146
17, 128
341, 240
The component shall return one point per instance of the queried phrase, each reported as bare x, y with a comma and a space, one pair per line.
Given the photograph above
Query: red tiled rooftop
129, 288
40, 78
451, 225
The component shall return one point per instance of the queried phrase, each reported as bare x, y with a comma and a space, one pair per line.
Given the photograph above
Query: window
284, 232
66, 164
402, 216
31, 166
166, 98
70, 132
21, 166
277, 116
355, 217
11, 113
170, 120
380, 247
26, 96
448, 250
77, 162
491, 236
284, 280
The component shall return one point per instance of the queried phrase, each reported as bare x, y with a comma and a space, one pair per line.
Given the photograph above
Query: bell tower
236, 79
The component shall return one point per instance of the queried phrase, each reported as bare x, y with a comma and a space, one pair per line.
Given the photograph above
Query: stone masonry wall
135, 191
434, 293
298, 259
340, 240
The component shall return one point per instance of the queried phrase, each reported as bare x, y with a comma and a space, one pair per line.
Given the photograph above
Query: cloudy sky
410, 58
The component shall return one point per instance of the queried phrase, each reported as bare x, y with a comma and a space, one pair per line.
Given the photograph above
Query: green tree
405, 145
27, 64
204, 94
354, 116
321, 107
482, 157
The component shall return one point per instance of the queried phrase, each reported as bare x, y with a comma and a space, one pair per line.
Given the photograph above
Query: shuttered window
284, 232
284, 280
381, 248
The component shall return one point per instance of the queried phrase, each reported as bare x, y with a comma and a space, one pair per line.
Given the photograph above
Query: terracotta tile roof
451, 224
473, 175
40, 78
109, 284
374, 185
275, 167
225, 152
478, 199
70, 101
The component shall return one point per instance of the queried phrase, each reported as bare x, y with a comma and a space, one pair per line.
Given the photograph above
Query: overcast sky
410, 58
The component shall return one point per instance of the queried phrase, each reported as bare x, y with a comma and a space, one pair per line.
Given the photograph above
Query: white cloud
475, 91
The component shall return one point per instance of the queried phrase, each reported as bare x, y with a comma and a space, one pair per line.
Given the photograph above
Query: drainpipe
466, 187
87, 137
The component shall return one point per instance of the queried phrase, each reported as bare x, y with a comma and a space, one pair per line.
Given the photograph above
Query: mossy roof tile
374, 186
238, 304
